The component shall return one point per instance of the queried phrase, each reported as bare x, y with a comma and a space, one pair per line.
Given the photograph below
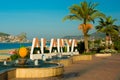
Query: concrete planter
103, 55
82, 57
65, 62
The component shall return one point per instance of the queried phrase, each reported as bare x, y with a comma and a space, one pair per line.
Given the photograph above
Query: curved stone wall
39, 72
8, 74
65, 62
32, 72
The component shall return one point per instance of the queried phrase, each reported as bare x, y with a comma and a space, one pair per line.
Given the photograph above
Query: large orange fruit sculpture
23, 52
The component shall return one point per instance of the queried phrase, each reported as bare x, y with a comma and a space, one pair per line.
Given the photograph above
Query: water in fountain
28, 64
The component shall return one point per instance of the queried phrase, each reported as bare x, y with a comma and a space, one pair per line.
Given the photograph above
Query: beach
5, 51
5, 48
4, 54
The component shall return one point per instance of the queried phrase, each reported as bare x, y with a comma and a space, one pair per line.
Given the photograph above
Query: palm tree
84, 12
107, 26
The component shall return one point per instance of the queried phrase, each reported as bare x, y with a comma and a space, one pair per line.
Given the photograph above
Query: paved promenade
107, 68
98, 69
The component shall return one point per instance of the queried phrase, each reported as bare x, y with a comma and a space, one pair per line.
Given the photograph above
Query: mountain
4, 34
71, 37
96, 35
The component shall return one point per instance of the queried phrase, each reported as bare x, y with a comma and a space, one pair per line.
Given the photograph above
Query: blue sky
43, 18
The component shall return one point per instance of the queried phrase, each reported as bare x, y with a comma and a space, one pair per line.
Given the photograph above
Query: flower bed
108, 51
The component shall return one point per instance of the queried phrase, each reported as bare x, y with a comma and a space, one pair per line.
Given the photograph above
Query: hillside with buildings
4, 37
95, 35
4, 34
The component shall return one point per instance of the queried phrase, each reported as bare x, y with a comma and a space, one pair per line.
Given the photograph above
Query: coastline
4, 54
5, 51
5, 46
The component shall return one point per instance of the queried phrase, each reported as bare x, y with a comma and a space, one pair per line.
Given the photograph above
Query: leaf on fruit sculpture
23, 52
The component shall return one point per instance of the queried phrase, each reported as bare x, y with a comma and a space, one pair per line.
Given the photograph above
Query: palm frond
99, 27
110, 21
74, 9
71, 17
115, 27
97, 14
93, 6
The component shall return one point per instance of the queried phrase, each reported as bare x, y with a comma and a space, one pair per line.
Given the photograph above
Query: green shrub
36, 49
14, 57
100, 48
65, 49
81, 47
108, 51
117, 45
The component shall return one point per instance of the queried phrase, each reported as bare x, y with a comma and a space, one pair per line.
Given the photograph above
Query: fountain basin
39, 72
7, 74
31, 72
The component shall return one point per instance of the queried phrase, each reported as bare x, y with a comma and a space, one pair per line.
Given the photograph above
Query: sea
4, 46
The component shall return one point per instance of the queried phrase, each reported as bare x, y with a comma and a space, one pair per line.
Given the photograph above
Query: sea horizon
11, 45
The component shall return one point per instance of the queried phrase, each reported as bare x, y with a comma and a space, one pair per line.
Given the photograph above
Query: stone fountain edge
31, 72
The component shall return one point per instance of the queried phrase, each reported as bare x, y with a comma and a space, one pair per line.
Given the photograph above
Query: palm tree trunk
86, 42
86, 37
